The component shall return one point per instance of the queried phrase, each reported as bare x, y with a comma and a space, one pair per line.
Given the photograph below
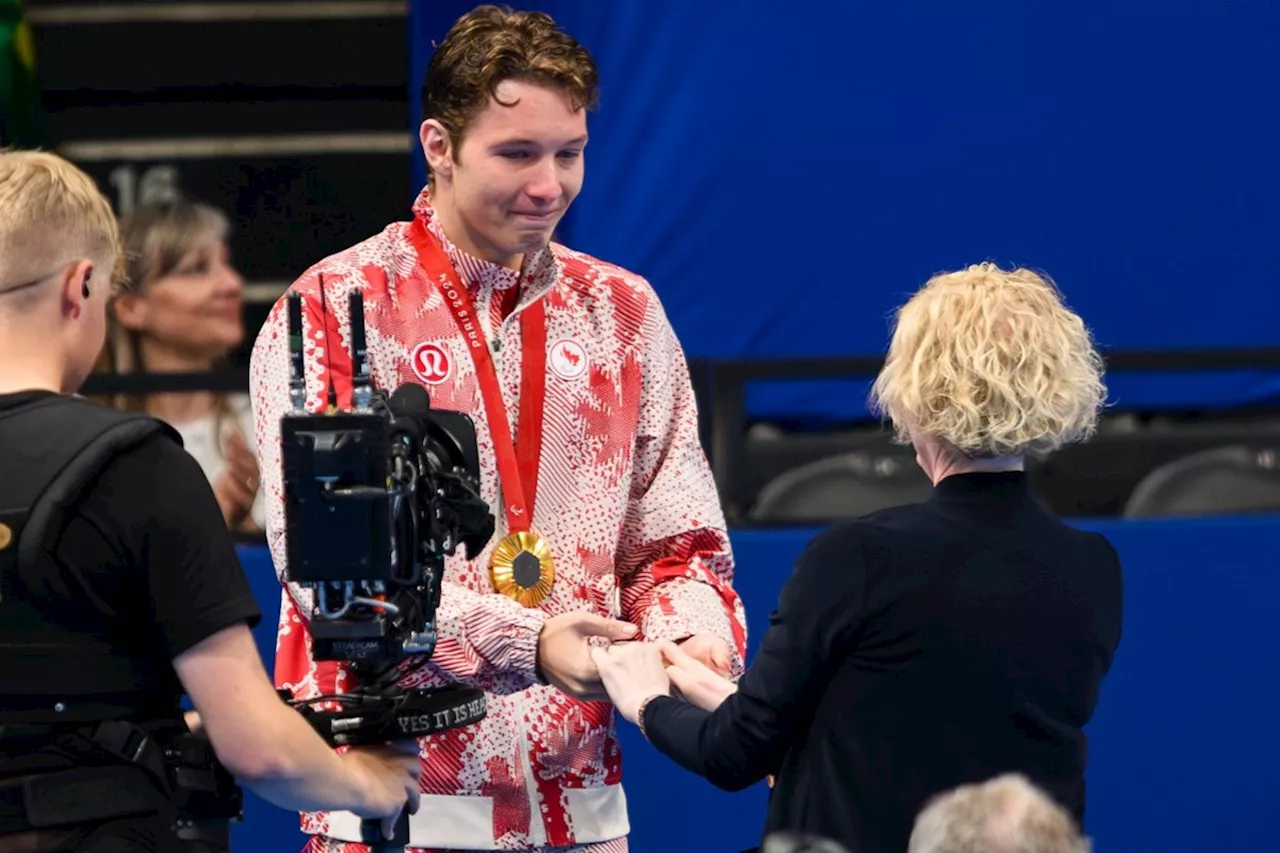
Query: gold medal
521, 568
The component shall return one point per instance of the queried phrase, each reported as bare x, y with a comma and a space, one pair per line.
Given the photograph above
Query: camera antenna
361, 382
297, 367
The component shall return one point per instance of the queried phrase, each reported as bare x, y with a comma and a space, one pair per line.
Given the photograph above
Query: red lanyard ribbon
517, 461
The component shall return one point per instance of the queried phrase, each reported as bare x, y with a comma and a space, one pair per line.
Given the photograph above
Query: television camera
376, 497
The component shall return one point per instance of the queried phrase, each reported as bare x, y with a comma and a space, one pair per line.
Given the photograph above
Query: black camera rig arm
368, 719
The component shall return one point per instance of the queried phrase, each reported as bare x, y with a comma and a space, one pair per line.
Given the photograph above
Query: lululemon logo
568, 359
432, 364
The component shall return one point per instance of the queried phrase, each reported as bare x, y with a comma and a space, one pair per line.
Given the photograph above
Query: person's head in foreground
505, 104
987, 367
1004, 815
59, 264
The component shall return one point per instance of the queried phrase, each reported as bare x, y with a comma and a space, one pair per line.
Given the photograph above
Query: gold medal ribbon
521, 566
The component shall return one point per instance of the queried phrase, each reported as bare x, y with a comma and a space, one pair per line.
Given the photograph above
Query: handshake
589, 657
586, 656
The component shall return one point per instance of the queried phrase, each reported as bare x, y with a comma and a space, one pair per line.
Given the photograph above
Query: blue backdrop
1185, 754
786, 173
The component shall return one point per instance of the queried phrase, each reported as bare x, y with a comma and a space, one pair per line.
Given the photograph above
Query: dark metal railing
724, 422
720, 388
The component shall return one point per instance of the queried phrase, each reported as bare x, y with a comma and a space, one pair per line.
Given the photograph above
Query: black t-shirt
149, 555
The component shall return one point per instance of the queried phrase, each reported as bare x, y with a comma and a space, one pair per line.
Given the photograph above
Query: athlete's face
501, 193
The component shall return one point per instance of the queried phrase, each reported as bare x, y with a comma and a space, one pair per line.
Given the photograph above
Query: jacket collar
983, 486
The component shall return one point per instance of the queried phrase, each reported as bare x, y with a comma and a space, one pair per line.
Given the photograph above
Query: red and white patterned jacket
624, 496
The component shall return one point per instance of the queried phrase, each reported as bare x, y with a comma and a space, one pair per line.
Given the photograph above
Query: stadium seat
1235, 480
847, 485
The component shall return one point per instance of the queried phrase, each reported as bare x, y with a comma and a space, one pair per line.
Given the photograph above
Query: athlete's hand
709, 650
696, 682
564, 652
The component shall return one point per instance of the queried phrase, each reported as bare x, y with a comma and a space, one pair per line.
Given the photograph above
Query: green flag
21, 119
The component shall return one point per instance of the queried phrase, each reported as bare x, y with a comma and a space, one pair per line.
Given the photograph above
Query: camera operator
119, 586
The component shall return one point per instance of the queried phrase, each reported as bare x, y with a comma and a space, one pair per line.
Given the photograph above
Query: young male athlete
609, 525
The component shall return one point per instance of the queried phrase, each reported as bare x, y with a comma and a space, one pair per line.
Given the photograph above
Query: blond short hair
992, 362
1005, 815
51, 213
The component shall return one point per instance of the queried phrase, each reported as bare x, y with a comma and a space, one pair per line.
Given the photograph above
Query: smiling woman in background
922, 647
183, 314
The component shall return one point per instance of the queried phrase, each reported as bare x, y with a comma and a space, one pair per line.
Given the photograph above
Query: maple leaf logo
568, 360
570, 356
610, 415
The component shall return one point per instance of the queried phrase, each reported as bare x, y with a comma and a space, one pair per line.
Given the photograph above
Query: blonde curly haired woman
922, 647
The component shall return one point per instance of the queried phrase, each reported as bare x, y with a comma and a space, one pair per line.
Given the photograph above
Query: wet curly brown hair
491, 44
